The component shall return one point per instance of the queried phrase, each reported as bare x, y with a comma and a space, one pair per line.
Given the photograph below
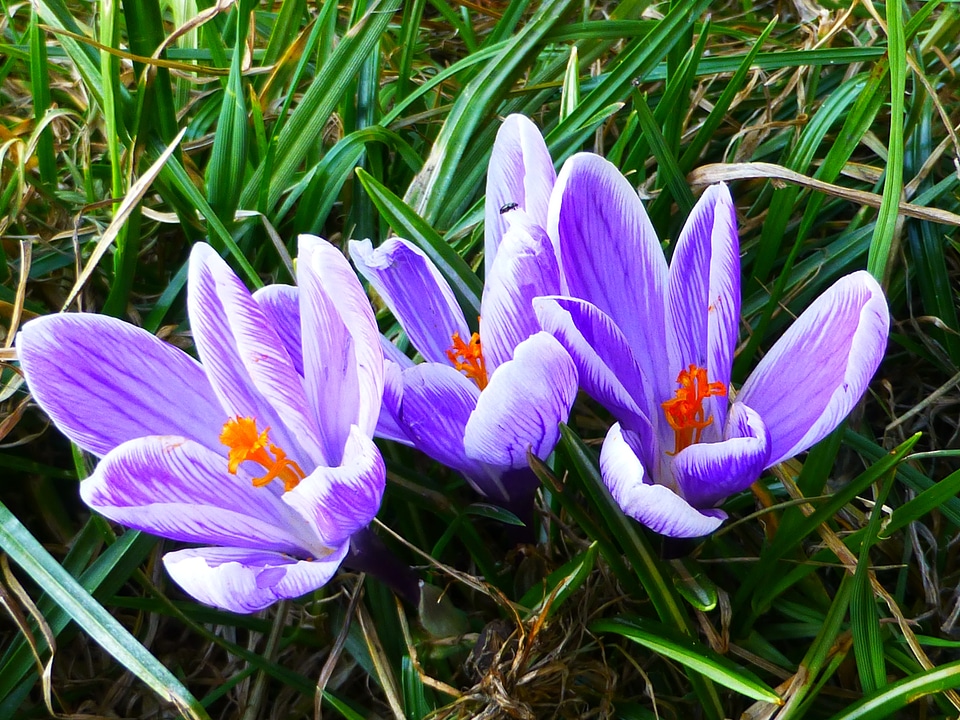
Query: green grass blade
305, 124
224, 176
40, 88
102, 627
864, 616
890, 698
785, 542
643, 57
669, 174
689, 653
55, 14
428, 194
583, 464
879, 258
131, 548
174, 173
925, 502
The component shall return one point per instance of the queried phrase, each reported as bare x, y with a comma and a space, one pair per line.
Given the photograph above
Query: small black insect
508, 207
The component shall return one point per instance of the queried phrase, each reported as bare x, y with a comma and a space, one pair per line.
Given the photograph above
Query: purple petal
103, 382
608, 371
343, 360
814, 375
437, 402
246, 362
281, 305
389, 425
610, 256
522, 406
707, 472
655, 506
244, 581
704, 295
525, 268
520, 172
338, 501
416, 293
175, 488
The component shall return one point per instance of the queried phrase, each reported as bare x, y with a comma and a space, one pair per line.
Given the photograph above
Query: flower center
685, 412
245, 443
467, 357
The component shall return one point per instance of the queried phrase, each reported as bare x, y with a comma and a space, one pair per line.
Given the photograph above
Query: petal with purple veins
178, 489
655, 506
103, 382
244, 581
521, 172
338, 501
247, 364
522, 406
821, 367
610, 256
703, 295
389, 426
437, 402
343, 361
281, 305
608, 371
416, 293
525, 268
707, 472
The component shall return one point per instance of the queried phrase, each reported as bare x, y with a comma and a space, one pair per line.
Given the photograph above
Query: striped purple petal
521, 408
245, 581
104, 382
610, 256
703, 296
437, 403
520, 172
525, 267
343, 360
177, 489
814, 375
244, 358
339, 501
655, 506
416, 293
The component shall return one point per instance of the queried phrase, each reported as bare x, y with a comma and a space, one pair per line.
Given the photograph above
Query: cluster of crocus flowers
655, 345
262, 452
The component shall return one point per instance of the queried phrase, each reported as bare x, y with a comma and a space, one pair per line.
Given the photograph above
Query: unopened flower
655, 346
261, 451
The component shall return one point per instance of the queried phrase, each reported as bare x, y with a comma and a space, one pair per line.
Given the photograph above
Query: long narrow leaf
43, 569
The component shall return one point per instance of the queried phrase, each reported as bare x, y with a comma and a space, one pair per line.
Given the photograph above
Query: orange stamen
468, 358
245, 443
685, 412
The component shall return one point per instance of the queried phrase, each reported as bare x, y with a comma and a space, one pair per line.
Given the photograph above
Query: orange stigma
685, 412
245, 443
468, 358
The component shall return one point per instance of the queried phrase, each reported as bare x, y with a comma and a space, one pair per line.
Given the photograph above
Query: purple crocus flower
475, 407
262, 450
656, 345
479, 406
